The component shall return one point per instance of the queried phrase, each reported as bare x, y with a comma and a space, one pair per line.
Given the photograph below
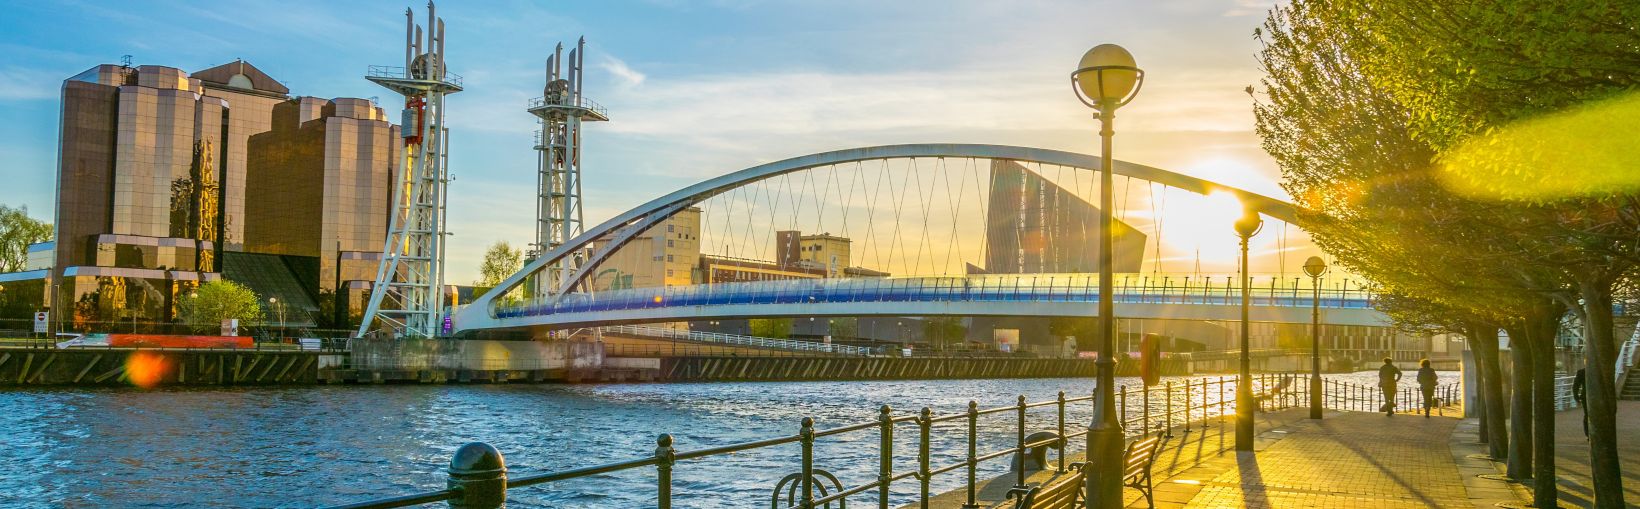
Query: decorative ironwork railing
1193, 404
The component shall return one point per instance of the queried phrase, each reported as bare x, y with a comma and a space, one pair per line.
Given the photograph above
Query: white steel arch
628, 225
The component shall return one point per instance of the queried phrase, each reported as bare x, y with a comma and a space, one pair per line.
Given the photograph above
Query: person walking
1580, 394
1426, 383
1388, 376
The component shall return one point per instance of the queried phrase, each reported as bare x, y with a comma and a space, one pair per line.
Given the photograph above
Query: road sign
230, 326
42, 322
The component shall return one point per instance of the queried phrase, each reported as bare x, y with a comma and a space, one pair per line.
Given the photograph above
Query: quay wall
149, 367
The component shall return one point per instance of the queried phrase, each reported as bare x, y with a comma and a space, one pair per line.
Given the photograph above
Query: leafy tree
219, 300
1518, 99
17, 231
500, 261
777, 328
941, 331
844, 328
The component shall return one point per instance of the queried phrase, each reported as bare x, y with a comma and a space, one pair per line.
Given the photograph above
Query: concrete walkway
1346, 460
1572, 455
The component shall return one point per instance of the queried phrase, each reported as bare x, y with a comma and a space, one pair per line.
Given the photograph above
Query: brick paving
1347, 460
1572, 455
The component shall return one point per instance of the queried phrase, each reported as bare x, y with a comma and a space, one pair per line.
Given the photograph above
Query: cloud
28, 84
629, 77
1249, 8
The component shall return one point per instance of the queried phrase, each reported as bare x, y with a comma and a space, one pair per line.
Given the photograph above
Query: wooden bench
1065, 491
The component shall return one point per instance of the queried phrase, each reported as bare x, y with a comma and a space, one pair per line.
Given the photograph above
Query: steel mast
408, 295
561, 109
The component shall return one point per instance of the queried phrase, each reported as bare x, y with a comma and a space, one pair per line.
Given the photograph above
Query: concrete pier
151, 367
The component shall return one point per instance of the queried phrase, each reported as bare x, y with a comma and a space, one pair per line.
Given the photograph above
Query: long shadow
1252, 480
1390, 473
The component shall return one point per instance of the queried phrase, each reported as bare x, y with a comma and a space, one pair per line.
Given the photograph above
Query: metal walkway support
408, 294
560, 109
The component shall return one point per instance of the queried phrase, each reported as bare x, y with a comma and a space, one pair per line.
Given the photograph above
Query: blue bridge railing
976, 288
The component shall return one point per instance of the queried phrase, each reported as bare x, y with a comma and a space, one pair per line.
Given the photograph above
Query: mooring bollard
479, 474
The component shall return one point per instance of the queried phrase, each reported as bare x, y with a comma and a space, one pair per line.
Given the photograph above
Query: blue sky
695, 89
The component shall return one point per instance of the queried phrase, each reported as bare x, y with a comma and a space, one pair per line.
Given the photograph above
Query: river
321, 445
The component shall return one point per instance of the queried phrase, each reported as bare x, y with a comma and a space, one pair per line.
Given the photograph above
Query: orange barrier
166, 341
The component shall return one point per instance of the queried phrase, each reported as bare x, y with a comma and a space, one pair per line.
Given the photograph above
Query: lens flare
1584, 151
146, 369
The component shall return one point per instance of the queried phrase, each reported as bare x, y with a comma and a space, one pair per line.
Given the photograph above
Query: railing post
973, 436
479, 474
1144, 399
1020, 483
665, 457
1187, 405
924, 420
1167, 410
885, 455
1124, 405
806, 438
1062, 441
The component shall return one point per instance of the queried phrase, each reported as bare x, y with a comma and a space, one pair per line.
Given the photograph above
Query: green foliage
500, 261
17, 231
207, 306
944, 330
843, 328
777, 328
1084, 328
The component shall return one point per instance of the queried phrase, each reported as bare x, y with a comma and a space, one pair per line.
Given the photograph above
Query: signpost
230, 326
42, 322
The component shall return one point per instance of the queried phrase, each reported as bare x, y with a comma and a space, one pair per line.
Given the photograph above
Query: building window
669, 258
669, 243
668, 272
669, 228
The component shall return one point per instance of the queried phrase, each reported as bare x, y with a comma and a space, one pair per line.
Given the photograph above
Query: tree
776, 328
1375, 112
207, 306
941, 331
501, 260
17, 231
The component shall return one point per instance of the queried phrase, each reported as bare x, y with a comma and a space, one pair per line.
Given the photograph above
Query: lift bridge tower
408, 295
561, 109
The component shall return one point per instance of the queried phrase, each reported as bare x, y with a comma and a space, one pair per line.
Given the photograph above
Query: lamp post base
1315, 395
1104, 467
1244, 414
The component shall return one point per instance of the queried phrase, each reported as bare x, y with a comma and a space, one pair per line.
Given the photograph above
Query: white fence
735, 339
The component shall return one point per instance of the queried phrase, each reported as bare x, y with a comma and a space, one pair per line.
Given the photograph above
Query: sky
694, 89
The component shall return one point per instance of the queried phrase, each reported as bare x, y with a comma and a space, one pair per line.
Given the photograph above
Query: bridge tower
408, 295
561, 109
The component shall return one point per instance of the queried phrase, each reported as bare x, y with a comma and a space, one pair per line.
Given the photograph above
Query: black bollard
480, 474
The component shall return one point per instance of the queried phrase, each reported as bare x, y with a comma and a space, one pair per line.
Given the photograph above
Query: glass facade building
167, 179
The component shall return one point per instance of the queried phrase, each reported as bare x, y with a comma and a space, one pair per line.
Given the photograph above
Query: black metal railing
1177, 405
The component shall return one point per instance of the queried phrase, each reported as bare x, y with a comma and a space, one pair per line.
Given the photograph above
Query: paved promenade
1347, 460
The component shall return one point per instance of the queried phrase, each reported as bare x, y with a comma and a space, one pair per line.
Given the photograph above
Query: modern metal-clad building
167, 179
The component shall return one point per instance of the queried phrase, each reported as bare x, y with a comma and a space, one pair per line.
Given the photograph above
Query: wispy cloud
625, 73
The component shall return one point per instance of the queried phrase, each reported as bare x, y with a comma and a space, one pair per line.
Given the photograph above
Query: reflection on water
311, 446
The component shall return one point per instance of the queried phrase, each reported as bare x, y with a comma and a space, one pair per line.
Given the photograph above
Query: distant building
1034, 226
155, 191
665, 255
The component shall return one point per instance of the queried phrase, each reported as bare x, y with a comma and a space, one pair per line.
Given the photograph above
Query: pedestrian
1388, 375
1580, 394
1426, 383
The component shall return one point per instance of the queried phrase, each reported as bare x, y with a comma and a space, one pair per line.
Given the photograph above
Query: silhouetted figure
1580, 394
1426, 383
1388, 375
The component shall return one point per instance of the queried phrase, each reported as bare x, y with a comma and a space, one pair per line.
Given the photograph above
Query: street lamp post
1315, 267
1105, 79
1246, 227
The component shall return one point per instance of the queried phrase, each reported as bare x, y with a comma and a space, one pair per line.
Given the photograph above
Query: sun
1194, 223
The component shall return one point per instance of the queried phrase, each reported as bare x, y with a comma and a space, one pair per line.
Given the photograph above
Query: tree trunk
1520, 402
1544, 327
1486, 355
1600, 377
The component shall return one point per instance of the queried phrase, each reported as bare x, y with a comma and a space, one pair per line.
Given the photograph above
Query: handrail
1193, 398
735, 339
968, 288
